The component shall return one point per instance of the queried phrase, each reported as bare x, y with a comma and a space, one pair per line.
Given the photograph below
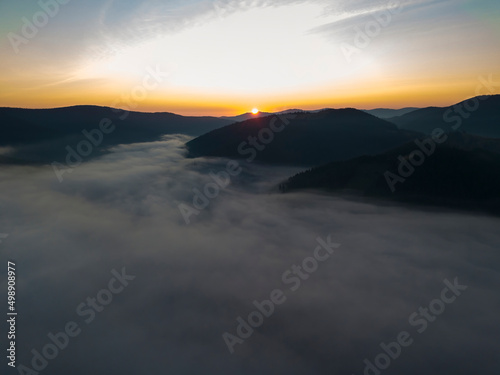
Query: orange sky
210, 61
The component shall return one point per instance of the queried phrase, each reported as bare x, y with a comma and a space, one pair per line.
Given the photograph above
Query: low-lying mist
193, 281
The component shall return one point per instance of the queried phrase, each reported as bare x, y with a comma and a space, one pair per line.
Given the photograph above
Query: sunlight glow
216, 57
212, 56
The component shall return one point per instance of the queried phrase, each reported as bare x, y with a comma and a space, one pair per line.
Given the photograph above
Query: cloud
193, 281
358, 13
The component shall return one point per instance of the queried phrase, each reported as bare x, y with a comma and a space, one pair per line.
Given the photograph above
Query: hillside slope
43, 134
478, 116
308, 138
463, 172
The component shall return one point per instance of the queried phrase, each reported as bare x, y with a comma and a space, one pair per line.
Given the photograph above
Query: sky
227, 57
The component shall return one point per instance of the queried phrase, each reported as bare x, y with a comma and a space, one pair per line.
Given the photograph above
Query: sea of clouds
193, 281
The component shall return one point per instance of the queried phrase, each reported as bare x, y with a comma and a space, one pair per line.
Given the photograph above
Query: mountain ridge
43, 134
308, 139
464, 172
478, 115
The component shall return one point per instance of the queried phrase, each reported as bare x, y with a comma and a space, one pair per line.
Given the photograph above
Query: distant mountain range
386, 113
311, 138
246, 116
461, 173
249, 115
42, 134
22, 125
383, 113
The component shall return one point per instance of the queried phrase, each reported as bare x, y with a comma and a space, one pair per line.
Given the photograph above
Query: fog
192, 281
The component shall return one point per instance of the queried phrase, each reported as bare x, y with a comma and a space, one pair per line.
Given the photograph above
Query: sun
255, 111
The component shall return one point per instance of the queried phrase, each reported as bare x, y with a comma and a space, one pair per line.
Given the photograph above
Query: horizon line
244, 113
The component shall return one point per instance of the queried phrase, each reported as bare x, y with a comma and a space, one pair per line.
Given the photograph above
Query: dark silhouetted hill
309, 138
462, 173
42, 134
479, 116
